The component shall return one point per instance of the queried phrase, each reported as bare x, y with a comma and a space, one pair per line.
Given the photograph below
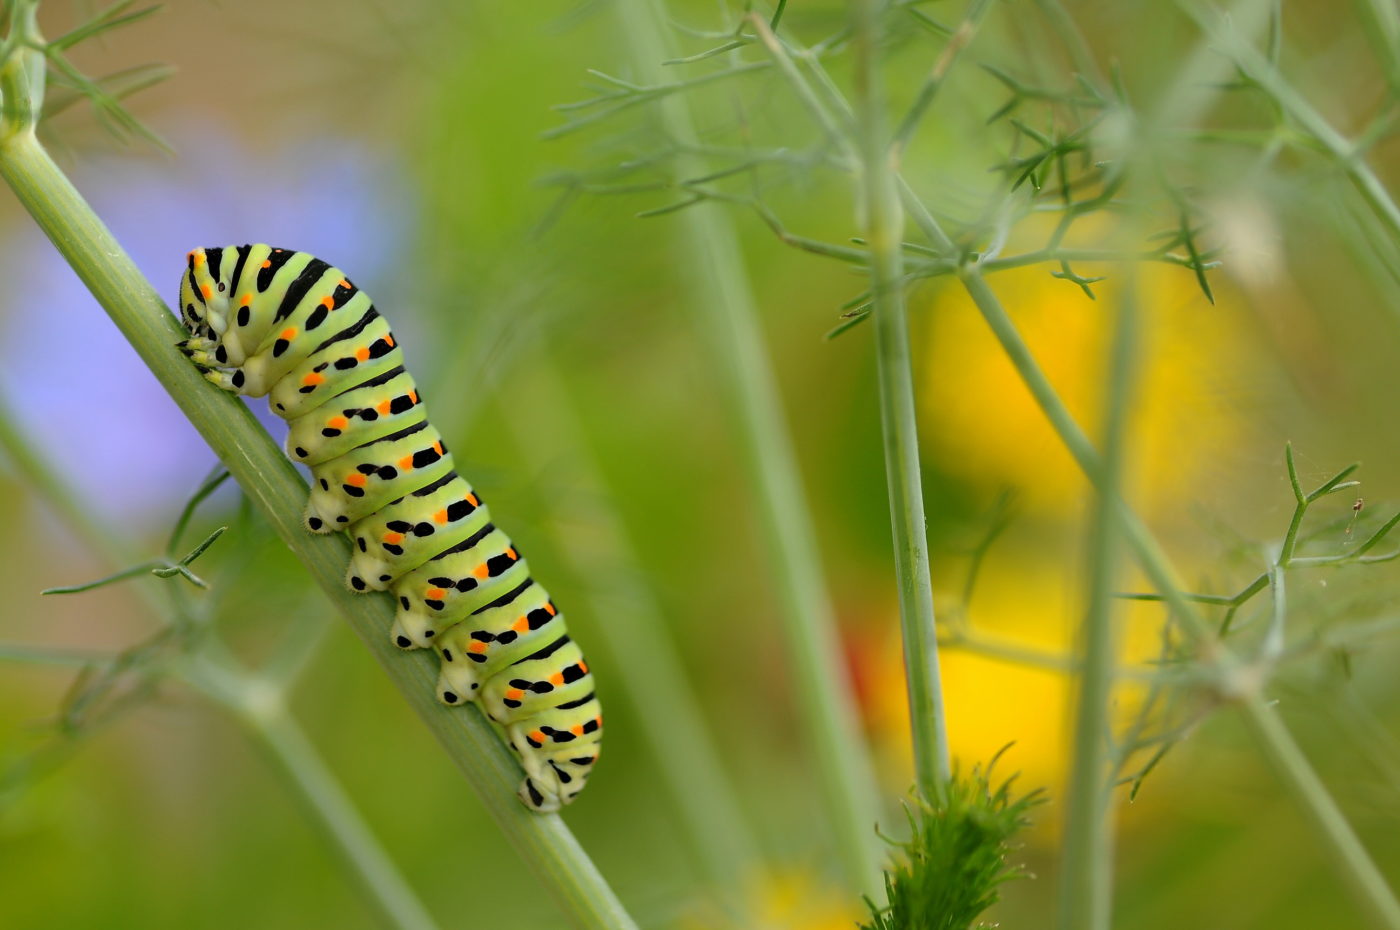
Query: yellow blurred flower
788, 899
800, 900
982, 426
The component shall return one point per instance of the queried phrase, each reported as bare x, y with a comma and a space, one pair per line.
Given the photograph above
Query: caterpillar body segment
346, 421
274, 322
413, 530
354, 485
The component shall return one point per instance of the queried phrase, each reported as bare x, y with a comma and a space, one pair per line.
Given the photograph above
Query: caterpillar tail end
544, 802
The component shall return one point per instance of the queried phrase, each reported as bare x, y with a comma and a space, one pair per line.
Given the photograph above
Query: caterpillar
286, 325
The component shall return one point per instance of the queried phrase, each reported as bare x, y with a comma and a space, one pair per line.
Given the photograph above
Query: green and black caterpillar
275, 322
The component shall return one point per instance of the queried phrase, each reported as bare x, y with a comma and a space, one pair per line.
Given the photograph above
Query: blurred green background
551, 334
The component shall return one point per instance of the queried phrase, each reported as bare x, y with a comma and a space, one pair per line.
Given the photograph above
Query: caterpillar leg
231, 380
457, 680
400, 635
202, 351
311, 519
205, 354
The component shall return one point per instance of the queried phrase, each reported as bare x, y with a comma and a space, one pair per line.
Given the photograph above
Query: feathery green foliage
950, 869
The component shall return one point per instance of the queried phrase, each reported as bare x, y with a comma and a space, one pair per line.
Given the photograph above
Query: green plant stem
1073, 40
725, 305
260, 708
1014, 653
1383, 21
1365, 881
894, 367
1086, 884
1043, 256
274, 486
959, 40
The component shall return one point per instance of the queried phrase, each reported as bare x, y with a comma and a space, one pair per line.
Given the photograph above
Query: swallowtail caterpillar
288, 326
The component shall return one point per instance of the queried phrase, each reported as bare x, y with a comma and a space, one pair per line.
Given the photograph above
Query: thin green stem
835, 132
160, 568
1073, 40
1086, 887
1273, 646
725, 305
1290, 539
136, 571
1014, 653
210, 485
1383, 18
299, 645
1040, 256
1355, 866
959, 40
895, 373
259, 707
274, 486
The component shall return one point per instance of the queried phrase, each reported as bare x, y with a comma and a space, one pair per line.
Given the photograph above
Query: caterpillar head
204, 293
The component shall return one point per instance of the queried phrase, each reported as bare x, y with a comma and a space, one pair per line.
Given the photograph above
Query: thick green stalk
718, 289
1086, 887
274, 486
895, 372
